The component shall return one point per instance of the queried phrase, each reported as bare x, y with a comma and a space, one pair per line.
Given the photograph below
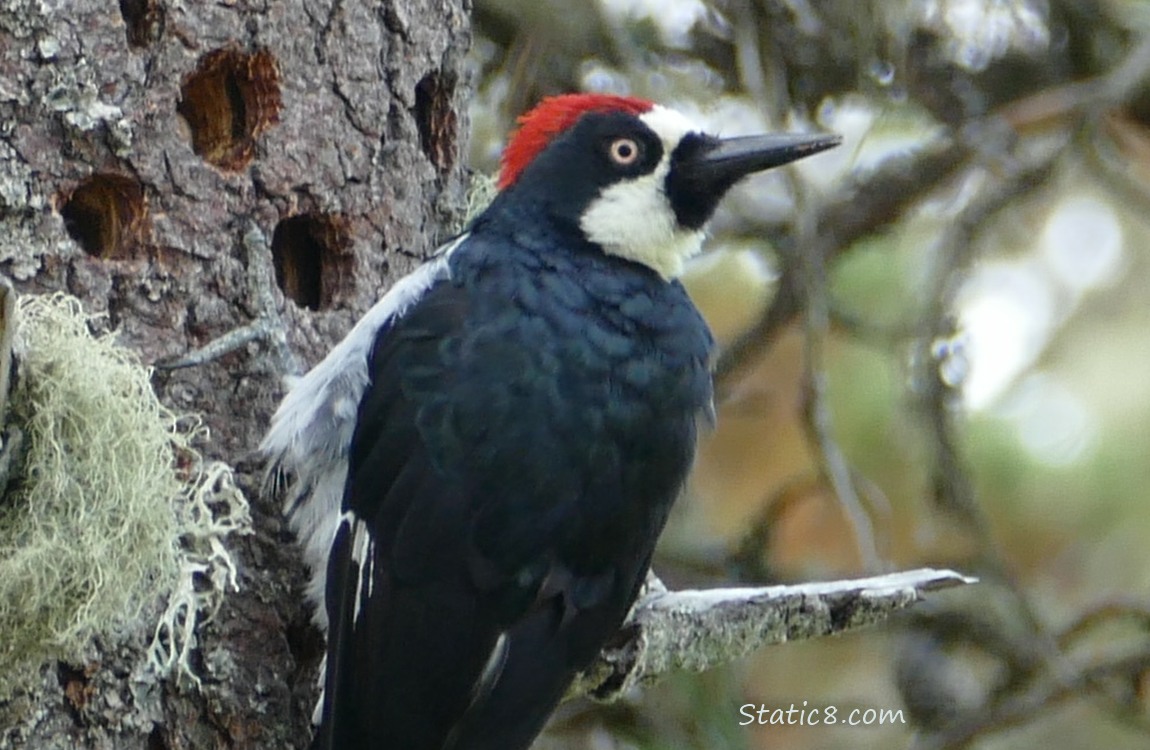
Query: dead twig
1026, 706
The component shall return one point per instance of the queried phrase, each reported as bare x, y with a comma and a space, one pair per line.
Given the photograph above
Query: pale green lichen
114, 511
481, 190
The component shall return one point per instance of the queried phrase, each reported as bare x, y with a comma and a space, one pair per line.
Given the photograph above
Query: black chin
703, 168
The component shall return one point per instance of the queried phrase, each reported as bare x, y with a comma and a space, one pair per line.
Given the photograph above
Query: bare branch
1124, 80
747, 561
936, 392
1027, 706
1134, 612
818, 420
699, 630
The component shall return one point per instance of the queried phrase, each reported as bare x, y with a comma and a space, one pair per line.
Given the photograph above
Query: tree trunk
162, 160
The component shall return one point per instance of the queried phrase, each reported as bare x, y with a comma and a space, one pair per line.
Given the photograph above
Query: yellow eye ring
624, 151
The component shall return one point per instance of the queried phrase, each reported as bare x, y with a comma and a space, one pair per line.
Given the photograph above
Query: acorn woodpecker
479, 471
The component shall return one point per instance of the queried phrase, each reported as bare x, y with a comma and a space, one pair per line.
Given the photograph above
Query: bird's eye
624, 151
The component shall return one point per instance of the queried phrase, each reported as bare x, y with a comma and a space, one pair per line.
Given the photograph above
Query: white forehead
670, 125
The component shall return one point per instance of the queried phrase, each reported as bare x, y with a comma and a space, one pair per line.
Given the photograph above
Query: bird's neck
523, 225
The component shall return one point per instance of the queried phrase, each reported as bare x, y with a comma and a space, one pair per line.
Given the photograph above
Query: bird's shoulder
520, 323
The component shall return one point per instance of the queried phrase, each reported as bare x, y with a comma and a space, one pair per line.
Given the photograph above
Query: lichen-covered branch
699, 630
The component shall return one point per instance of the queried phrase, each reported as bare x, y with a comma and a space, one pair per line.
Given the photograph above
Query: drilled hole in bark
75, 684
436, 119
228, 102
157, 741
305, 642
144, 21
105, 215
312, 258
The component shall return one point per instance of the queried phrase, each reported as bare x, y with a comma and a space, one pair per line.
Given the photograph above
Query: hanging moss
106, 517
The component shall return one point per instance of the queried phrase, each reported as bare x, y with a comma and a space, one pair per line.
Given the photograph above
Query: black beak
730, 159
703, 168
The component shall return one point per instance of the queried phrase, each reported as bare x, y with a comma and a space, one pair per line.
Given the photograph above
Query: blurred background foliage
935, 343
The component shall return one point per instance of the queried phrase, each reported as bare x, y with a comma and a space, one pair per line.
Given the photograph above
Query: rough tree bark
140, 144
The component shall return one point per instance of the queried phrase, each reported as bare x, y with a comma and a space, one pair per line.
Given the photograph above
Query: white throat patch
634, 219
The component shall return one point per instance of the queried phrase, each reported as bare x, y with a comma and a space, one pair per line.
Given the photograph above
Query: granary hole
144, 20
230, 99
106, 215
312, 257
436, 119
157, 741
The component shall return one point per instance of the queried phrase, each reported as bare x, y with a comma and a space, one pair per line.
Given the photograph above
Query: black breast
579, 381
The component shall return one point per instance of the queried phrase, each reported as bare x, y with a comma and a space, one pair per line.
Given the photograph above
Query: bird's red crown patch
552, 116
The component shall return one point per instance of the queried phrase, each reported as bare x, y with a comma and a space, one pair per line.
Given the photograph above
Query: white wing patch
307, 445
492, 669
634, 218
483, 686
363, 555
